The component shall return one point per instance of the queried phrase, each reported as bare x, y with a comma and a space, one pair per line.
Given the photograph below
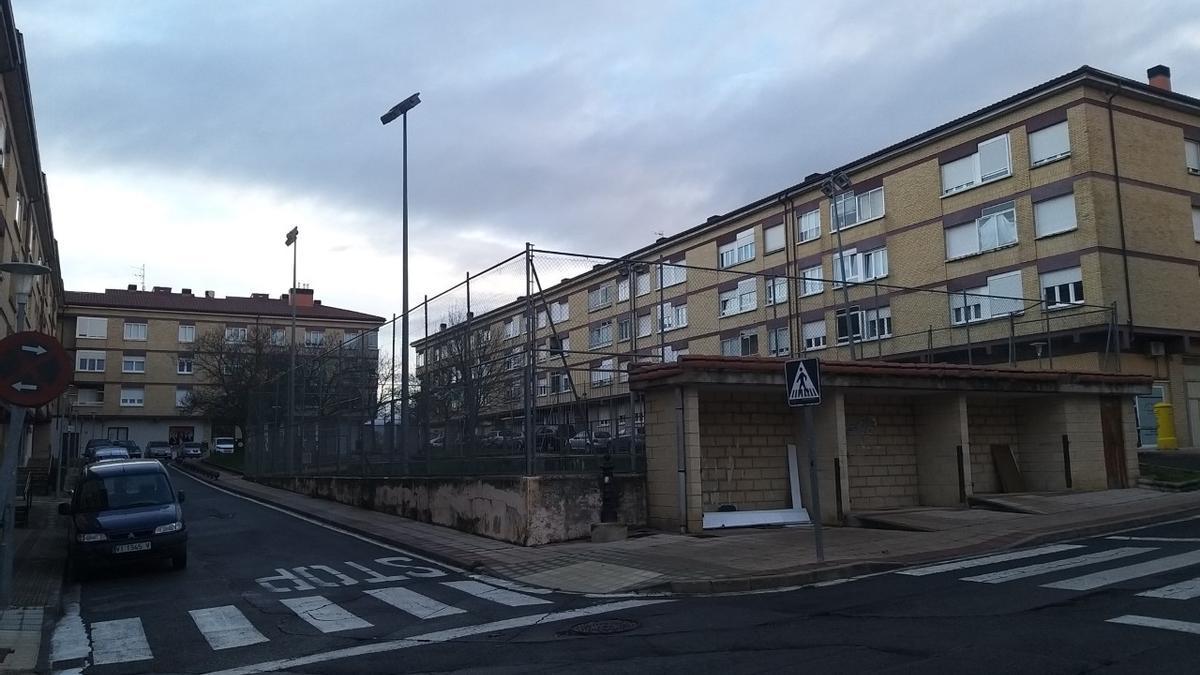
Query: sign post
802, 377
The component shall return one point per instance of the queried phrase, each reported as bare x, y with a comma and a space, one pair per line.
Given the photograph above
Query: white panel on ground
119, 641
1184, 590
988, 560
1089, 581
324, 615
493, 594
226, 627
412, 602
1153, 622
1066, 564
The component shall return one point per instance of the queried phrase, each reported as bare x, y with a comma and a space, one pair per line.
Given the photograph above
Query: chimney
1160, 77
185, 291
162, 289
209, 294
131, 287
260, 296
303, 297
441, 327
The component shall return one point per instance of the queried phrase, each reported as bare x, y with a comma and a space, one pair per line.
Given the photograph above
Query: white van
223, 445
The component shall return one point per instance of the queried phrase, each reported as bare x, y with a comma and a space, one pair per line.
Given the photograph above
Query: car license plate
129, 548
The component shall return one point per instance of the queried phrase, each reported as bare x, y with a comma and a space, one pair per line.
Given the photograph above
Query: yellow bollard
1164, 414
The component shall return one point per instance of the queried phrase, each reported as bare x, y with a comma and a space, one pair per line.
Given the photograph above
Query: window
808, 225
600, 297
184, 365
543, 386
135, 330
1192, 152
313, 337
773, 238
644, 325
279, 336
812, 281
187, 333
859, 267
989, 162
671, 354
622, 376
559, 382
779, 341
600, 336
814, 335
236, 334
669, 275
89, 361
603, 376
777, 290
182, 394
643, 282
543, 319
133, 397
745, 344
133, 364
738, 251
623, 289
851, 209
744, 298
1054, 215
672, 316
996, 228
1061, 288
1000, 297
1049, 144
91, 328
90, 396
512, 327
876, 322
624, 329
1196, 222
560, 311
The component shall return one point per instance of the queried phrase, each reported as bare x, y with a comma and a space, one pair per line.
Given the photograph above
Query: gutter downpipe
1112, 138
681, 461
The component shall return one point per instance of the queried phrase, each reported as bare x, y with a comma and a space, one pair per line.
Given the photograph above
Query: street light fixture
23, 276
834, 185
401, 110
291, 241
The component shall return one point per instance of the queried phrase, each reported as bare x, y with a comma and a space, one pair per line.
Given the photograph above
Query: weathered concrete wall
938, 422
993, 421
530, 511
881, 446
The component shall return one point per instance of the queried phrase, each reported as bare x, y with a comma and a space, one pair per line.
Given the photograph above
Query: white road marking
412, 602
988, 560
436, 637
119, 641
324, 615
481, 590
1184, 590
70, 638
1185, 540
1089, 581
1153, 622
226, 627
1046, 568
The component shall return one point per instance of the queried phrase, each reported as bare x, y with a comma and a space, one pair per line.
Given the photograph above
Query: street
269, 591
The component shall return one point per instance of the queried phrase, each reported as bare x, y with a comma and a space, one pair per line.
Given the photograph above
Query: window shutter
993, 158
1054, 215
1007, 286
958, 174
1049, 143
773, 238
962, 240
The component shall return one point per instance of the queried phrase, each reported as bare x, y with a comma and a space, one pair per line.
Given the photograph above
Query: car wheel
179, 562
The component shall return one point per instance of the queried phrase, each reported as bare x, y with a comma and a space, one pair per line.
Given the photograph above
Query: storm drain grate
603, 627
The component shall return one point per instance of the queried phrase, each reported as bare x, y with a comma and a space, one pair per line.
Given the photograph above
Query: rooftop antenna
659, 233
139, 273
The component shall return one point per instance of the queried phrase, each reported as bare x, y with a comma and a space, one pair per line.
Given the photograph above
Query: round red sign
34, 369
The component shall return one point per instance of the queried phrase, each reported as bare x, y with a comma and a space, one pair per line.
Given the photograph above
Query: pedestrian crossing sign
803, 377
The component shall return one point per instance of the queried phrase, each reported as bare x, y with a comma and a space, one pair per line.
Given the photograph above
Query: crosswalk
226, 627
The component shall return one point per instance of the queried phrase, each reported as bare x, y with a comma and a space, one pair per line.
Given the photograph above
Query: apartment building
135, 352
26, 229
1058, 227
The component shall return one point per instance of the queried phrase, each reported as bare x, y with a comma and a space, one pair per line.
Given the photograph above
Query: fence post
1012, 340
878, 333
1049, 344
662, 333
529, 371
929, 346
967, 323
470, 412
630, 424
426, 394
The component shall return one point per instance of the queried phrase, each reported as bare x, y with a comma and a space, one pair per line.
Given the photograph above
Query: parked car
553, 437
124, 511
159, 450
503, 439
90, 449
110, 453
135, 450
224, 445
626, 444
193, 449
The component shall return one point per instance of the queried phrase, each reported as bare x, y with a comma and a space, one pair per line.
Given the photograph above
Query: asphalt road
267, 591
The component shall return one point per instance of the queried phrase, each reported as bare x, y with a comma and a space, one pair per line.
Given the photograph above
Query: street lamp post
401, 110
23, 275
291, 241
835, 184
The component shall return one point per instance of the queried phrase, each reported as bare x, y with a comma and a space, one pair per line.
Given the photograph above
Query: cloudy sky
190, 136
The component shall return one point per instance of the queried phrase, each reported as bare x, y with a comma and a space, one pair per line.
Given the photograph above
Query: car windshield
112, 453
124, 491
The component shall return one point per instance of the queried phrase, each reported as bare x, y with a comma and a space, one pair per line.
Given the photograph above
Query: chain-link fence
522, 368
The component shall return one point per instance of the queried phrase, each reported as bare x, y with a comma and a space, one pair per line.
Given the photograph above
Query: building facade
26, 229
1059, 227
136, 353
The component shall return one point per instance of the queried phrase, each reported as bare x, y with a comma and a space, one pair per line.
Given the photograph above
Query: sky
190, 136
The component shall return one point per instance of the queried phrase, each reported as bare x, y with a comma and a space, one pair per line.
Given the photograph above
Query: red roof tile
178, 302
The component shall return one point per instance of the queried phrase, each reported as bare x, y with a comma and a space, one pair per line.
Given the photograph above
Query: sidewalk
735, 560
38, 562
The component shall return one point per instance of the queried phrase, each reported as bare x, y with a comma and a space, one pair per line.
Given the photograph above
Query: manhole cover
603, 627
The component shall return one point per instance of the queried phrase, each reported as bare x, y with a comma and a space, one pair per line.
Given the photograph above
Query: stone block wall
939, 437
743, 458
991, 421
881, 452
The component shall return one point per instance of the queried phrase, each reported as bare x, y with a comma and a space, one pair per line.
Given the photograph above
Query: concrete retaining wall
522, 510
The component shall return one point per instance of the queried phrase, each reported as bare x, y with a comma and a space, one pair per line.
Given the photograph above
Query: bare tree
231, 368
